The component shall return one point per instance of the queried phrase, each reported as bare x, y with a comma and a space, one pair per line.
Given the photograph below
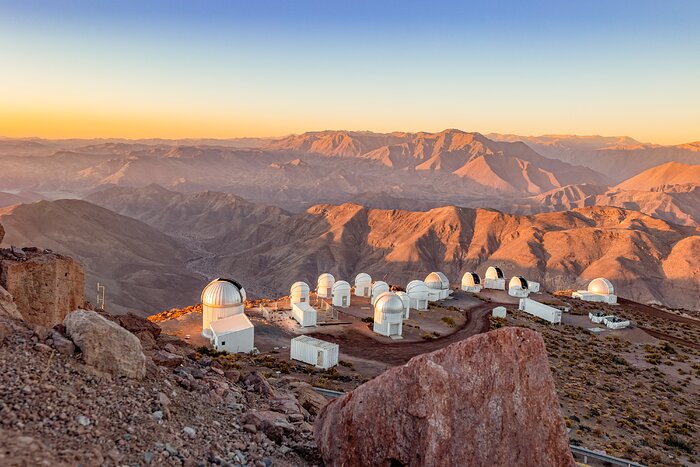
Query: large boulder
488, 400
146, 331
105, 345
45, 286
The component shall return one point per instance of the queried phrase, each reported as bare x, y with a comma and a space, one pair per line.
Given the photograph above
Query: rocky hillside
141, 267
640, 254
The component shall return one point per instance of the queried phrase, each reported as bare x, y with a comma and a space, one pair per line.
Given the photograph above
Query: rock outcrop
45, 286
105, 345
487, 400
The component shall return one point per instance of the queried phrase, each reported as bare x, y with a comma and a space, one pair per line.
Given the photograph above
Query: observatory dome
389, 303
221, 293
601, 286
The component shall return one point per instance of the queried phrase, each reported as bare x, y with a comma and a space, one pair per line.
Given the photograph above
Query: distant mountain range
449, 167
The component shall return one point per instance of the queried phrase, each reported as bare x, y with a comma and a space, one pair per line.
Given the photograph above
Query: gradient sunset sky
222, 69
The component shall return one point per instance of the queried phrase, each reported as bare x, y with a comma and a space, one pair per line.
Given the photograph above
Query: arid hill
663, 176
142, 268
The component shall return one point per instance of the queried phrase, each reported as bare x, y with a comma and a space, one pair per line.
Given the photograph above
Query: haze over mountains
270, 211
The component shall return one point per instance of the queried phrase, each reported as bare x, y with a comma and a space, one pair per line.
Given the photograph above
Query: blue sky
227, 69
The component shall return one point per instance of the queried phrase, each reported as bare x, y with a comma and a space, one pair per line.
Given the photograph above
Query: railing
586, 455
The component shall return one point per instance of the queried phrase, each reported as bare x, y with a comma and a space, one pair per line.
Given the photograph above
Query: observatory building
363, 285
518, 287
221, 298
315, 352
439, 286
494, 279
299, 293
388, 315
418, 294
233, 334
599, 290
223, 320
471, 282
324, 285
378, 288
406, 303
341, 294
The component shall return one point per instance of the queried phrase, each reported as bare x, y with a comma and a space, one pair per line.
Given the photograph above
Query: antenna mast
100, 296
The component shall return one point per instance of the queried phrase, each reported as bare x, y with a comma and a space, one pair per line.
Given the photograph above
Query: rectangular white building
235, 334
304, 313
495, 284
540, 310
315, 352
533, 286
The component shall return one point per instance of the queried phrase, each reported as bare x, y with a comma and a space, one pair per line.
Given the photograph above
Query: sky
224, 69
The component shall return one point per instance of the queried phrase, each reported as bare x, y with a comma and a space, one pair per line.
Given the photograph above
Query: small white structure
418, 293
299, 292
439, 285
304, 313
494, 279
406, 304
597, 316
363, 285
533, 287
471, 282
517, 287
324, 285
615, 322
388, 315
545, 312
315, 352
499, 312
234, 334
341, 294
599, 290
221, 298
378, 288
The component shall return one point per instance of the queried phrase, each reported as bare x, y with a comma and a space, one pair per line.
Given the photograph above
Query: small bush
676, 442
449, 321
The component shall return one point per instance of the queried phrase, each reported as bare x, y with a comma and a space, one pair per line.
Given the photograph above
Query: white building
599, 290
494, 279
315, 352
304, 313
388, 315
533, 286
597, 316
341, 294
406, 304
517, 287
439, 286
499, 312
418, 293
324, 285
378, 288
221, 298
540, 310
363, 285
471, 282
234, 334
615, 322
299, 292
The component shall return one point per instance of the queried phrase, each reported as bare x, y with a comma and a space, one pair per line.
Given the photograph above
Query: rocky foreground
63, 404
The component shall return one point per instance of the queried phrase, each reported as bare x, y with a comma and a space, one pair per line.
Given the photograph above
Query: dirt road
397, 353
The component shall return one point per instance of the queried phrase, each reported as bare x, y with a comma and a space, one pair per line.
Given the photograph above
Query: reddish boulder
45, 286
167, 359
488, 400
146, 331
